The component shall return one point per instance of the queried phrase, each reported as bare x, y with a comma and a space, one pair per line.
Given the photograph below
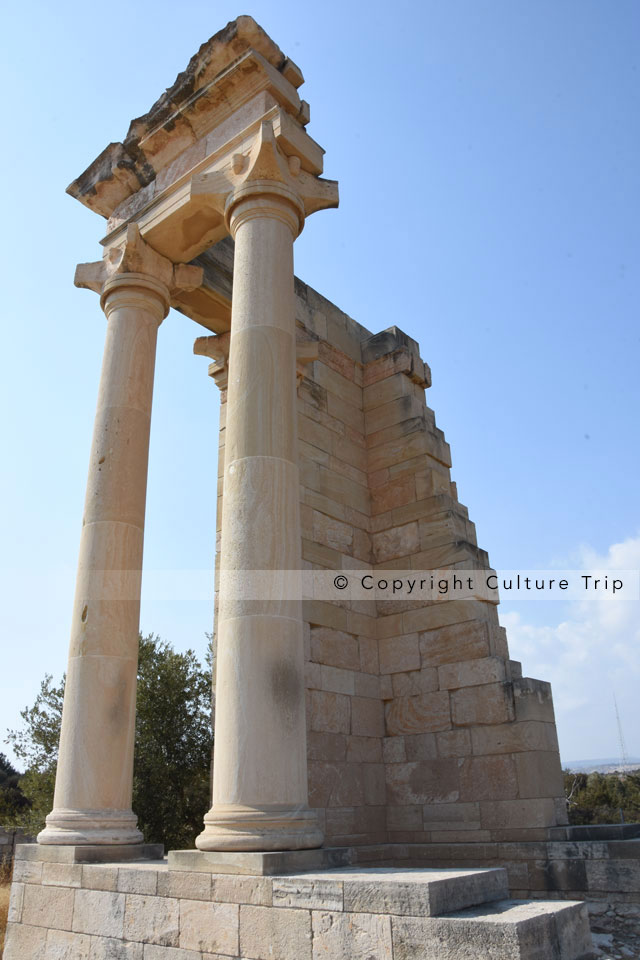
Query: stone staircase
182, 910
441, 915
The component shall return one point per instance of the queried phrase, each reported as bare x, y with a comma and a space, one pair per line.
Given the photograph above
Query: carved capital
265, 172
135, 256
216, 347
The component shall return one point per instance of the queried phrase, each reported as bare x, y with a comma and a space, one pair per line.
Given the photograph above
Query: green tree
603, 797
172, 747
12, 799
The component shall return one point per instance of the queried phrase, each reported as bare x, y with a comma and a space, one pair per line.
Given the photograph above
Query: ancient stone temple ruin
384, 777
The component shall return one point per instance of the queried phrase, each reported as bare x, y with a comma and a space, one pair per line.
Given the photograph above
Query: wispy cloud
590, 654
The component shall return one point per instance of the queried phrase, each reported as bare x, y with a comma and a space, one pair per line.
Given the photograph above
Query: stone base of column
260, 864
91, 827
89, 853
260, 828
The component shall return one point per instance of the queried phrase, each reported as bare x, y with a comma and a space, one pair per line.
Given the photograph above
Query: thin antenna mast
623, 749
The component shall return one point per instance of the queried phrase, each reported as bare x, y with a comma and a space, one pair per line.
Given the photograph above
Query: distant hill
603, 765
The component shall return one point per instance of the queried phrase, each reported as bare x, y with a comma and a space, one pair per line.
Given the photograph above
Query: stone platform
146, 911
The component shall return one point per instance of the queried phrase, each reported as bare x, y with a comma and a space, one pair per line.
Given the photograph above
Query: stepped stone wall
420, 727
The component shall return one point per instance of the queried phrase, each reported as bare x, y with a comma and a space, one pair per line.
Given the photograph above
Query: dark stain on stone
286, 686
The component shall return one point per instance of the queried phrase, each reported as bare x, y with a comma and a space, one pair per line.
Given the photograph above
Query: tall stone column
260, 764
92, 803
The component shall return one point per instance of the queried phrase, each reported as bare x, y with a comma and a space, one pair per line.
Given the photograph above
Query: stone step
388, 890
504, 930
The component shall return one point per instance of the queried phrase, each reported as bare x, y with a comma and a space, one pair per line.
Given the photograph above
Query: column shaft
92, 802
260, 764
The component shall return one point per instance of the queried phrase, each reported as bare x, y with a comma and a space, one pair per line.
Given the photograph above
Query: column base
269, 827
89, 853
76, 827
260, 864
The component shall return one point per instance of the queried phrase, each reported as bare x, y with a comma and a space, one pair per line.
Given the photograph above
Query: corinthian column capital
264, 181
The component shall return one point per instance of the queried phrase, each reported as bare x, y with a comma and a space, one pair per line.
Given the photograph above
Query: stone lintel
228, 70
260, 864
89, 853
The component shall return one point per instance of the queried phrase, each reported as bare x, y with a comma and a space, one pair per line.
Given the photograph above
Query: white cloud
592, 653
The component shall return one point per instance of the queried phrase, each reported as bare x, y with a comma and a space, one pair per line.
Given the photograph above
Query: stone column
260, 762
92, 803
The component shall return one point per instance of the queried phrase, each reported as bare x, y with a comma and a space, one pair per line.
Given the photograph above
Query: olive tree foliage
173, 746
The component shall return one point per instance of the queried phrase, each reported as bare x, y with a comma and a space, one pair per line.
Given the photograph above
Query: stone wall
148, 911
9, 837
420, 727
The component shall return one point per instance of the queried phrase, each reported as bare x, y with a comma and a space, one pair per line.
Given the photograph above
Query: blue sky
487, 158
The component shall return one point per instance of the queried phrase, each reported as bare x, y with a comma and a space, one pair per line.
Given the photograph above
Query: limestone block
331, 532
455, 643
374, 785
152, 952
343, 821
184, 884
454, 743
497, 814
238, 889
326, 746
514, 737
451, 816
105, 948
152, 920
23, 941
396, 542
62, 874
507, 930
393, 750
488, 778
330, 712
415, 682
491, 703
353, 936
131, 880
471, 673
210, 927
368, 654
364, 750
336, 384
352, 416
334, 647
404, 817
312, 676
47, 906
384, 391
448, 613
399, 654
421, 783
62, 945
335, 784
396, 493
312, 893
100, 913
426, 713
367, 717
366, 685
539, 774
16, 899
98, 877
620, 876
533, 700
27, 871
337, 680
420, 746
266, 933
